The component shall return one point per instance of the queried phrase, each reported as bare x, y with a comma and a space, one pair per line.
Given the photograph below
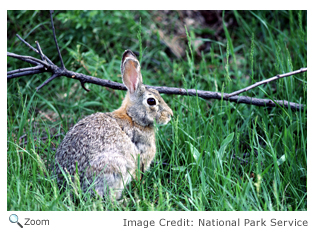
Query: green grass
214, 155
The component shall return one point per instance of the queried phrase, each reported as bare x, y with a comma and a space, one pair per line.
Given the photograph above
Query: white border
113, 221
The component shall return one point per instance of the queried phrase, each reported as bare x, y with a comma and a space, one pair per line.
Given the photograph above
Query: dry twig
267, 81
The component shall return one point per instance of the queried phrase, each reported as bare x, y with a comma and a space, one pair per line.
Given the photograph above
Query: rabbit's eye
151, 101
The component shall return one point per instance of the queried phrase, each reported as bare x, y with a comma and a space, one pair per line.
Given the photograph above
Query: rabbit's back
96, 145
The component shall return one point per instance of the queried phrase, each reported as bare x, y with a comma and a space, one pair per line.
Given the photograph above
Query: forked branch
267, 81
44, 65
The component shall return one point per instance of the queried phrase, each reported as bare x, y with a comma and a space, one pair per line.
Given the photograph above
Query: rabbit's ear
130, 70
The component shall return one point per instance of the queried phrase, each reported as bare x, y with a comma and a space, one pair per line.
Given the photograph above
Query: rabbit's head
144, 105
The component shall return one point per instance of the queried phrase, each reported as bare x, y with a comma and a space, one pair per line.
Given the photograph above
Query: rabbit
105, 148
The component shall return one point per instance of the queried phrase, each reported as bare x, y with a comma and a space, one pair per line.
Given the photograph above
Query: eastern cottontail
106, 148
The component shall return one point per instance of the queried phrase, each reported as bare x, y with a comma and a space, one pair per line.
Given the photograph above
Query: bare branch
57, 72
33, 60
26, 72
237, 99
54, 34
266, 81
166, 90
31, 47
40, 51
25, 69
47, 81
86, 89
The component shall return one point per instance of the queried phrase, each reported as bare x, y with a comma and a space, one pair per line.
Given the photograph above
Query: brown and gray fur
106, 148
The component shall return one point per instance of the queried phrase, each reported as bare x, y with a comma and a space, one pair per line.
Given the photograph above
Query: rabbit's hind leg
121, 183
111, 185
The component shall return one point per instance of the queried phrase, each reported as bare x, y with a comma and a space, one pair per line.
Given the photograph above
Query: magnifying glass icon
14, 219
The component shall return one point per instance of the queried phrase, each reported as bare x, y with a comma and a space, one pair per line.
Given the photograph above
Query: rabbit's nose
168, 111
171, 112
